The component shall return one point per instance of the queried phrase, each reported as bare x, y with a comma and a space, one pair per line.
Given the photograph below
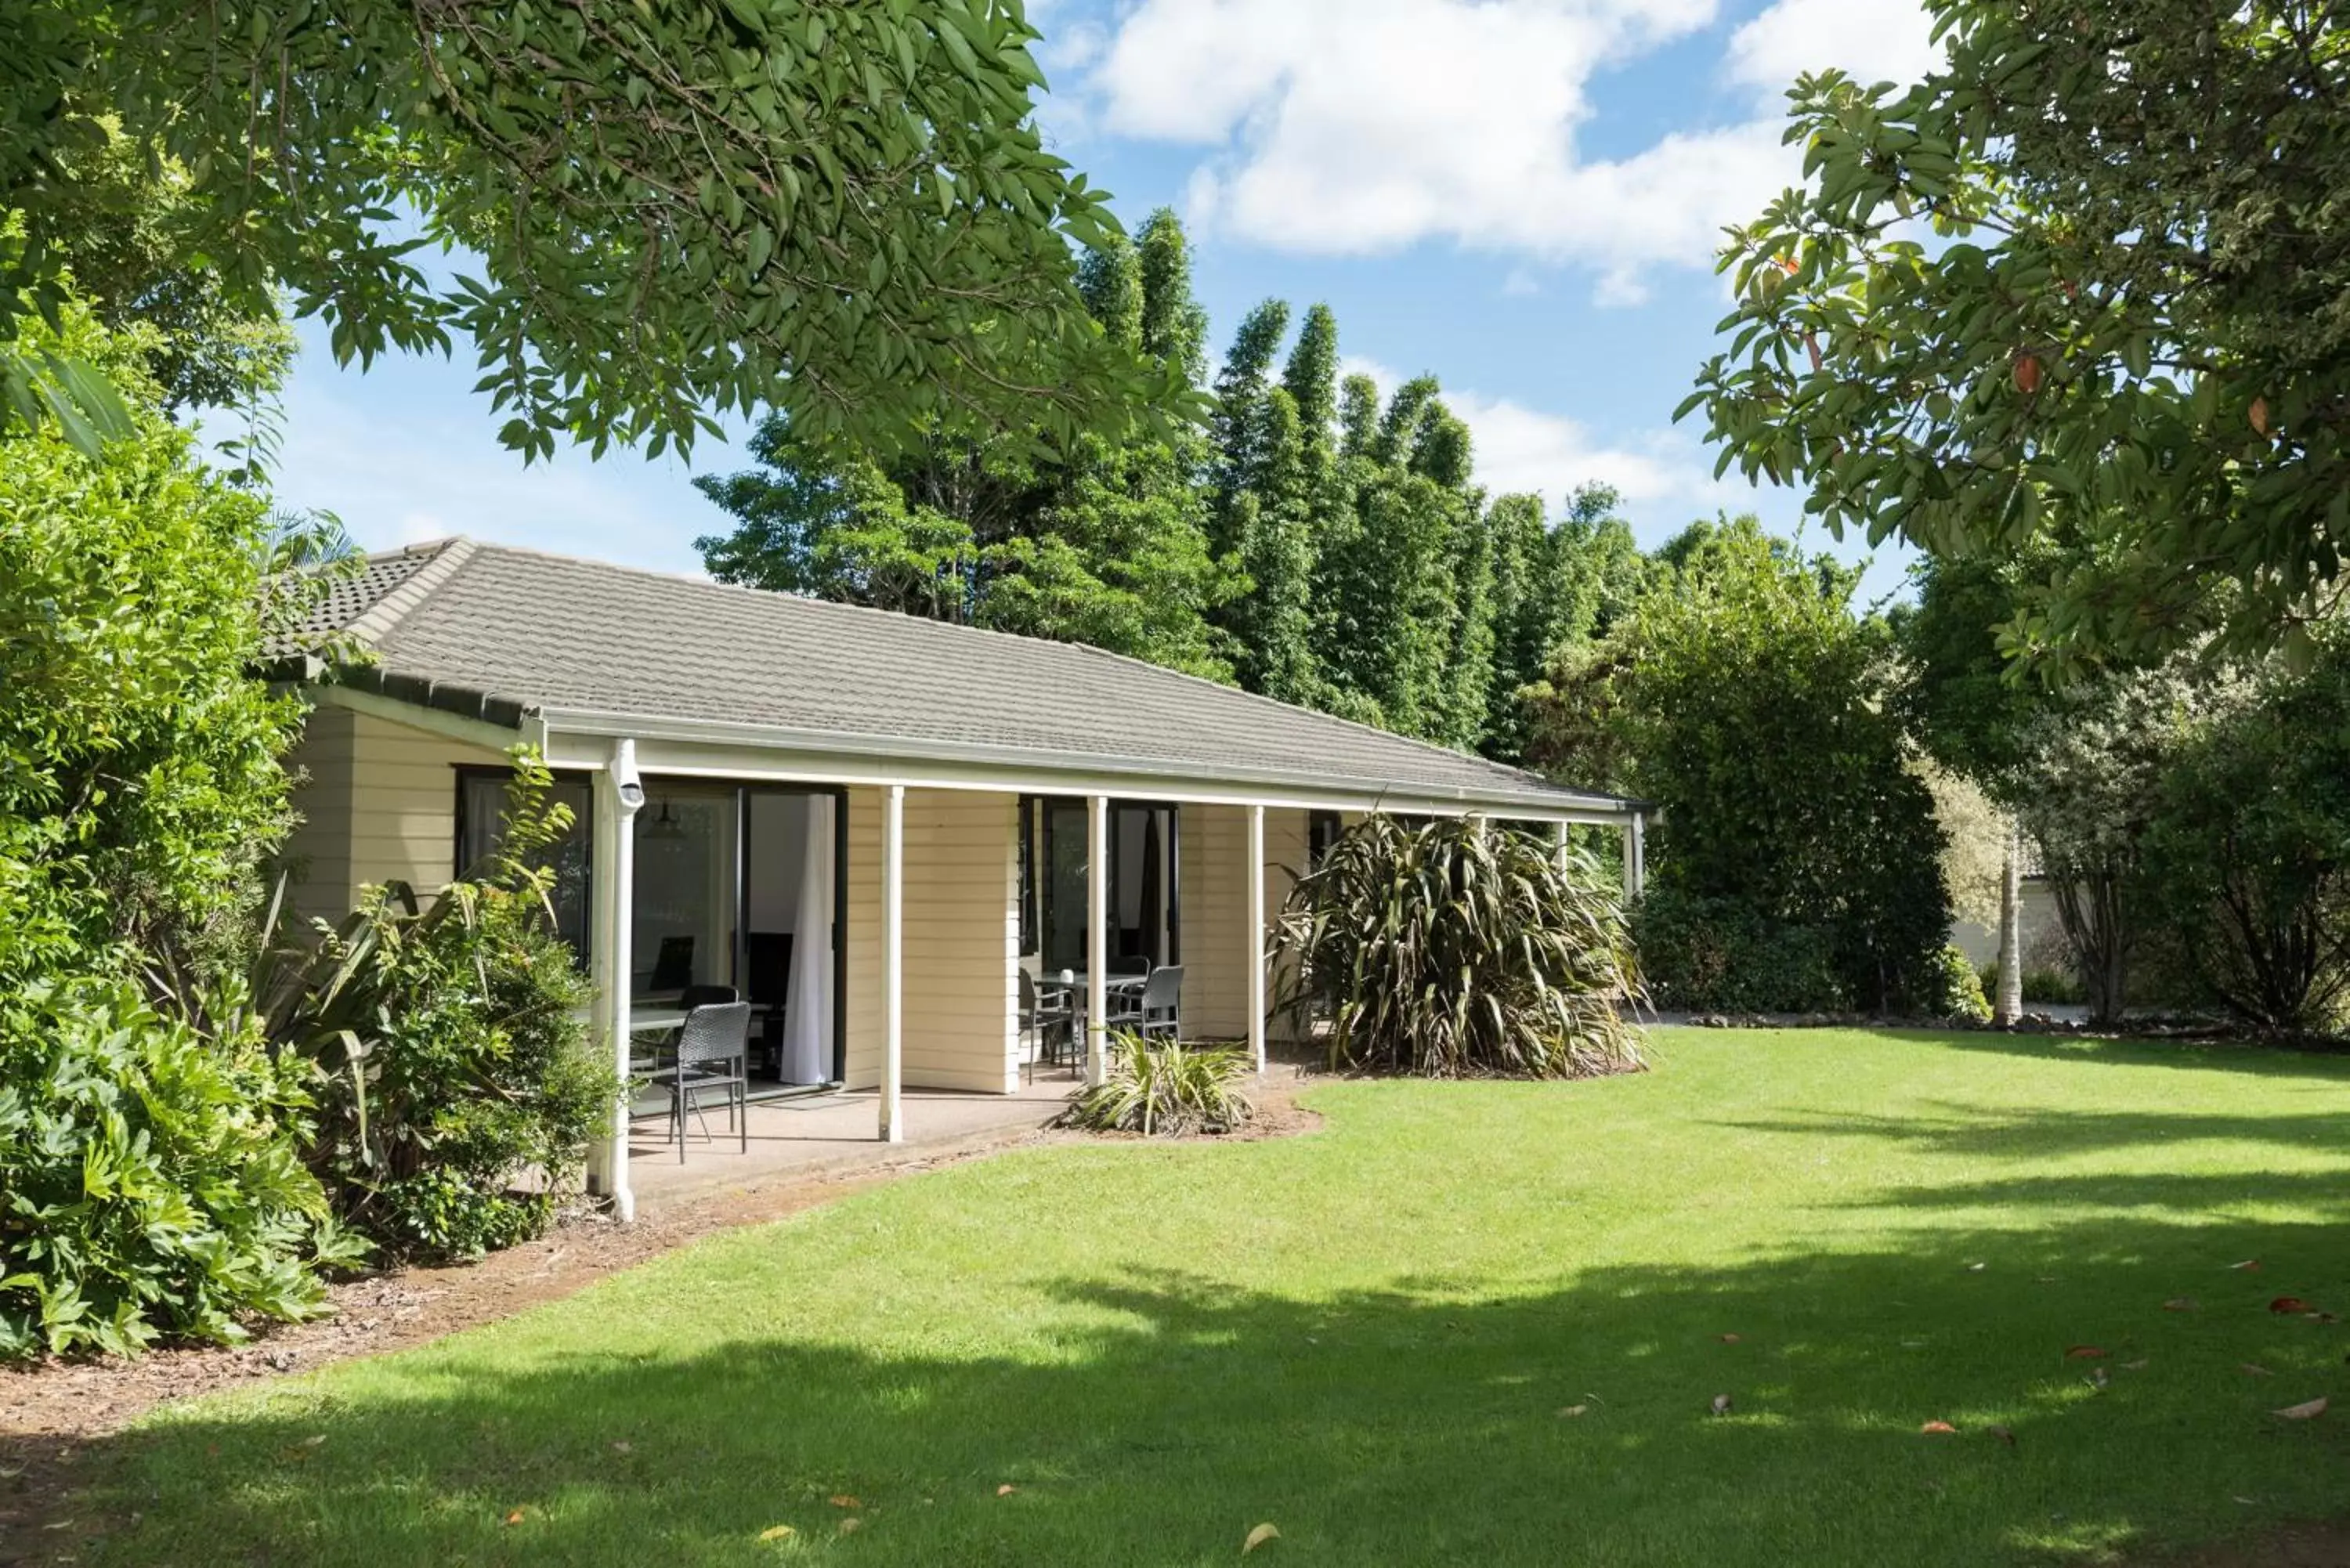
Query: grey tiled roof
351, 598
535, 632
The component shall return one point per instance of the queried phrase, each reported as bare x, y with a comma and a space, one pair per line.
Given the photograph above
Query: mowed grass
1367, 1337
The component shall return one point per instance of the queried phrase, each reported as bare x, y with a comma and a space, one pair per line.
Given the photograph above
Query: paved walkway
814, 1134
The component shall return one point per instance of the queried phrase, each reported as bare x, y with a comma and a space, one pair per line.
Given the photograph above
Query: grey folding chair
1162, 1000
712, 1048
1042, 1010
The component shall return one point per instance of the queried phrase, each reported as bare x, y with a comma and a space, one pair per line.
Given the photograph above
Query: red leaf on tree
2027, 373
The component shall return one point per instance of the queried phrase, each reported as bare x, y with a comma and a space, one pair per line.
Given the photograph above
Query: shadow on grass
1155, 1418
1959, 1129
2328, 1063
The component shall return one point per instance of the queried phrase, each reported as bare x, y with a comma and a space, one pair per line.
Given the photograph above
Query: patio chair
694, 996
1046, 1016
1161, 1000
710, 1052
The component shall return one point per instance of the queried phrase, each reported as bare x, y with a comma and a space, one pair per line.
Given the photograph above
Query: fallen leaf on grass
2003, 1434
621, 1447
1977, 1268
2284, 1305
851, 1523
1574, 1409
1722, 1404
2308, 1410
845, 1500
515, 1517
2180, 1304
2086, 1353
2251, 1369
2138, 1365
1258, 1537
777, 1532
314, 1440
1939, 1430
1730, 1339
1006, 1490
2249, 1265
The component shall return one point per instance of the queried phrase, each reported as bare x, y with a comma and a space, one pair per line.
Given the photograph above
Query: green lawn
1366, 1337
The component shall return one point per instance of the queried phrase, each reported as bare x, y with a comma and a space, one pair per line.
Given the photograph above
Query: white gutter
1027, 768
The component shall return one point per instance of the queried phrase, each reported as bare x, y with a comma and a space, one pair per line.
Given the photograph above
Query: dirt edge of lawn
51, 1410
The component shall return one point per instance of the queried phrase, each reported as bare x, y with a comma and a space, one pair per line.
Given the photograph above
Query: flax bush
1460, 948
1166, 1088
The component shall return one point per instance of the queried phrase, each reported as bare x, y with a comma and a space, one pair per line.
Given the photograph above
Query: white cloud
1354, 126
1875, 41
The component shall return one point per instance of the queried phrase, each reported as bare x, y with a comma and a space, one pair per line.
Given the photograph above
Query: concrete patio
815, 1133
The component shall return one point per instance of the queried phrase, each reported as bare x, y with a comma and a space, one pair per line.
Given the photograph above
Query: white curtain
808, 1005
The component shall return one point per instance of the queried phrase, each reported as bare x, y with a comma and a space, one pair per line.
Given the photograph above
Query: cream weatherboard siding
961, 935
1216, 949
378, 804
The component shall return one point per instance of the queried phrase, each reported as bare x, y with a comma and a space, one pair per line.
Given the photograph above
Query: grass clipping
1460, 948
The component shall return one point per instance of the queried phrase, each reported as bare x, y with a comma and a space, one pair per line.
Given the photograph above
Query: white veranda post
619, 794
1097, 933
1256, 955
1635, 870
893, 1001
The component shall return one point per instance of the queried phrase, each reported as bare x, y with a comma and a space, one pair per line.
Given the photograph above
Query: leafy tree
1104, 544
669, 212
2134, 334
1311, 377
2248, 857
1273, 620
151, 1178
1963, 701
120, 236
1174, 325
2086, 788
1753, 711
1238, 430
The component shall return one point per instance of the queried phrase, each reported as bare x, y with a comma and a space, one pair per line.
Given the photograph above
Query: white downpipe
1096, 936
1256, 957
893, 943
621, 792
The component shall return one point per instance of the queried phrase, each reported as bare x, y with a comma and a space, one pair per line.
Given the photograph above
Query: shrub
1458, 949
1168, 1088
1703, 954
1954, 990
1756, 710
2247, 861
151, 1186
150, 1183
451, 1049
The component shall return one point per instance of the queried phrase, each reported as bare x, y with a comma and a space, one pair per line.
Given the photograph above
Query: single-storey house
868, 823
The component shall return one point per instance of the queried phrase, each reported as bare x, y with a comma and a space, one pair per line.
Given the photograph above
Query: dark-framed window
480, 824
1054, 832
1322, 830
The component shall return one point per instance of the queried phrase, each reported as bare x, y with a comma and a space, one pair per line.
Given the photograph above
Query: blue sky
1521, 196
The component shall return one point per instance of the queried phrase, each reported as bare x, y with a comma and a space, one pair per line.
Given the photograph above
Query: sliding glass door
1145, 900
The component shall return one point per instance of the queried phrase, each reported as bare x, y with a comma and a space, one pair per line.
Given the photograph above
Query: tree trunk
2007, 1007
